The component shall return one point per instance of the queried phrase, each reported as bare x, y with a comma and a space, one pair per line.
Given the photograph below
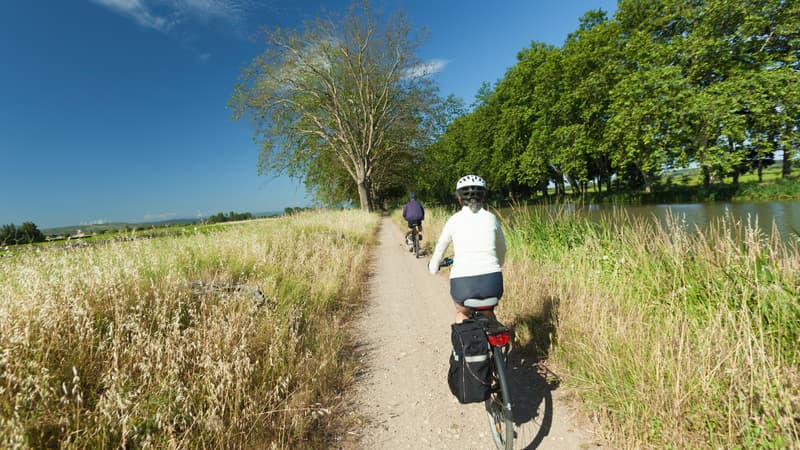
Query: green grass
671, 339
685, 186
674, 340
781, 189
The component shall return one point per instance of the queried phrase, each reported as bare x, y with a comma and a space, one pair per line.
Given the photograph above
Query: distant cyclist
479, 248
414, 214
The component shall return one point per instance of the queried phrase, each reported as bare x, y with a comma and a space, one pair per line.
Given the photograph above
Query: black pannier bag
469, 374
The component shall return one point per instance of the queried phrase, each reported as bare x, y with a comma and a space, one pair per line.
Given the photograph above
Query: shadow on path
531, 381
531, 388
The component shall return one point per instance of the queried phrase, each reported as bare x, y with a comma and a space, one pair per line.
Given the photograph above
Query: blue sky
115, 110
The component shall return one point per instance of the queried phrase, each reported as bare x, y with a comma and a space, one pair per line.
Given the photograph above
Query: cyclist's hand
433, 268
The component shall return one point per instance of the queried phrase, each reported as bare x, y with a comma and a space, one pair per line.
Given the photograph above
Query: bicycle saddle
480, 303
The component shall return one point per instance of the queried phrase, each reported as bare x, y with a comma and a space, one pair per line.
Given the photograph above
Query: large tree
342, 95
663, 84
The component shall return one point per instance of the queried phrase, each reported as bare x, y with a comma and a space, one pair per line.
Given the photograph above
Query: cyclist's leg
462, 313
408, 236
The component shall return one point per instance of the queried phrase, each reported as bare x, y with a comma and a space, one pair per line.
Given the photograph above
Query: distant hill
102, 227
73, 229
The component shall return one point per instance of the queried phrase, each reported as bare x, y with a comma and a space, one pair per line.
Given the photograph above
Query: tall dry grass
672, 337
166, 343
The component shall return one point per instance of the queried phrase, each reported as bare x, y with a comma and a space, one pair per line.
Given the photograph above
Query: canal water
784, 214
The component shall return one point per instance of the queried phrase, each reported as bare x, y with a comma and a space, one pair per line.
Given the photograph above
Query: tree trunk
706, 177
542, 186
786, 169
363, 197
648, 182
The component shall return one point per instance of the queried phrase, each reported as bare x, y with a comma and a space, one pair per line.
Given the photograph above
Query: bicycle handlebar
446, 262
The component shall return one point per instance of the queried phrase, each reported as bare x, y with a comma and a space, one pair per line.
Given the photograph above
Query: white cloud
231, 10
139, 12
163, 15
427, 68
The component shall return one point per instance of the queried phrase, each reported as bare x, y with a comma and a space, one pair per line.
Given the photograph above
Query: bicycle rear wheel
416, 245
498, 405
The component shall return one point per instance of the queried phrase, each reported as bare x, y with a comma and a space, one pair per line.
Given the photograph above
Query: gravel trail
403, 393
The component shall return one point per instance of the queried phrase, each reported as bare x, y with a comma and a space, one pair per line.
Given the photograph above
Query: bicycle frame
415, 233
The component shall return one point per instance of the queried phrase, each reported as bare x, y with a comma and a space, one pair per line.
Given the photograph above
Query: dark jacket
413, 211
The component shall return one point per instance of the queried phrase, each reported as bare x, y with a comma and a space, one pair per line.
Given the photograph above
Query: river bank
672, 338
674, 190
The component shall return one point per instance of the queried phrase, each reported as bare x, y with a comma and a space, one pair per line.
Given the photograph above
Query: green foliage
230, 217
783, 189
27, 233
342, 104
662, 85
289, 211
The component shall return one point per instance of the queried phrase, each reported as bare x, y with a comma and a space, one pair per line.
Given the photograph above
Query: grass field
671, 339
234, 337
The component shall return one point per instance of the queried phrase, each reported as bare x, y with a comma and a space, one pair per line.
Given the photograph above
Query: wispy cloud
163, 15
231, 10
175, 17
427, 68
139, 11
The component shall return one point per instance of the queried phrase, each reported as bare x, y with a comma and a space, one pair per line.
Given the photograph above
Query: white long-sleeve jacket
479, 246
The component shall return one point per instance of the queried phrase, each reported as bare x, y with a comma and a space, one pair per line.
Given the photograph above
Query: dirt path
404, 394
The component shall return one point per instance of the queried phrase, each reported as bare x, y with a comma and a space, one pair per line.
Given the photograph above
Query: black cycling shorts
412, 224
478, 286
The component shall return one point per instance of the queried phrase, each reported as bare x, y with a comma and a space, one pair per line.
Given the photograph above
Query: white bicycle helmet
470, 180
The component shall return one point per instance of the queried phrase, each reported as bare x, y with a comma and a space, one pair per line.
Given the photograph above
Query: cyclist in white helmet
479, 248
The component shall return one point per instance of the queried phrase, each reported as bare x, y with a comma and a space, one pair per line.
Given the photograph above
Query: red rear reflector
498, 340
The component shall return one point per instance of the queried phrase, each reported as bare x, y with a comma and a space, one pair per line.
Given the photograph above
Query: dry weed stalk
110, 346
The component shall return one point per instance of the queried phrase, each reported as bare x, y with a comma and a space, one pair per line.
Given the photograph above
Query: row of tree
229, 217
346, 105
26, 233
713, 84
292, 210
